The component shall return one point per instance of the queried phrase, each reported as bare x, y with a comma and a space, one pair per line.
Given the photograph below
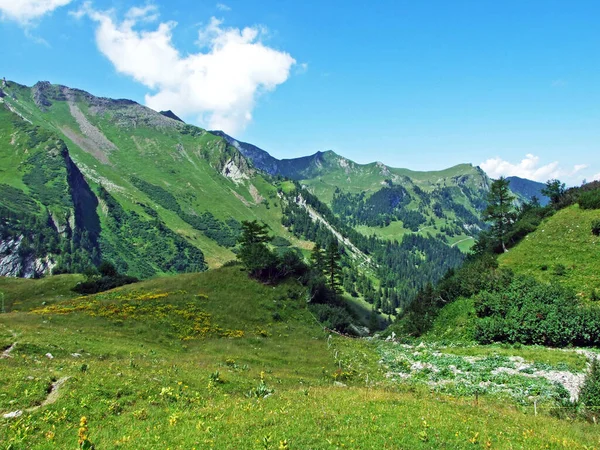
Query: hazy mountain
527, 189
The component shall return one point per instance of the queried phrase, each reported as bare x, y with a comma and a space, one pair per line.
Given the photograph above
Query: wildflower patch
188, 320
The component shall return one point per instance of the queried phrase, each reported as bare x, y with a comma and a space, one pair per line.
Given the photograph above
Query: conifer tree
317, 258
500, 210
260, 261
332, 260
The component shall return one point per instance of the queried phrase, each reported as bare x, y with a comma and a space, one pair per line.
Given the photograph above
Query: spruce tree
500, 211
260, 261
317, 258
332, 259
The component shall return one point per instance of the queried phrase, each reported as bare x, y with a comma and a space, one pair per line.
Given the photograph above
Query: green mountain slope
562, 250
170, 196
446, 203
187, 362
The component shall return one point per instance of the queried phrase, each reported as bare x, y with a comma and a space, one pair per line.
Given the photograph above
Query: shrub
103, 284
560, 270
279, 241
589, 199
596, 227
332, 317
530, 312
590, 391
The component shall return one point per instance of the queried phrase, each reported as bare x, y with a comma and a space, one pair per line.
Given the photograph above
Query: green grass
22, 294
454, 323
141, 386
566, 239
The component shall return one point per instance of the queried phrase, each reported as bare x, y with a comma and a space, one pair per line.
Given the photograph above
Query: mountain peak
171, 115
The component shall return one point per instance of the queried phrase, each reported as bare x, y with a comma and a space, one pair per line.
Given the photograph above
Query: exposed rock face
231, 170
260, 158
40, 96
13, 264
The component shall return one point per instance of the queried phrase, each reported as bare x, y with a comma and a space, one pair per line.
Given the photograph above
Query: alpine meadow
166, 285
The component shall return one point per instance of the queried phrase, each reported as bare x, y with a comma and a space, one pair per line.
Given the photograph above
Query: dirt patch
255, 194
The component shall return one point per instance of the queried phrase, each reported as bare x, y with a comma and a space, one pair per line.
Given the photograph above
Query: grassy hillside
563, 240
446, 203
192, 181
22, 294
215, 360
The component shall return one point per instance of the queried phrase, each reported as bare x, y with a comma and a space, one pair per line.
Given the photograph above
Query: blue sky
511, 85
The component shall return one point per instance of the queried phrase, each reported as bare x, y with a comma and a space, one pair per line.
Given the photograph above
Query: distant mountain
385, 201
527, 189
295, 168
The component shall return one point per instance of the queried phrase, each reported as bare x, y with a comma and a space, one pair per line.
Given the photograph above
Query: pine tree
500, 211
254, 233
317, 258
332, 260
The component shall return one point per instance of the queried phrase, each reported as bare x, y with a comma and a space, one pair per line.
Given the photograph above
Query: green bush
596, 227
531, 312
104, 284
332, 317
589, 199
560, 270
279, 241
590, 391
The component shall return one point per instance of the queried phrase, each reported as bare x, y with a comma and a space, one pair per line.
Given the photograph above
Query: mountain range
85, 179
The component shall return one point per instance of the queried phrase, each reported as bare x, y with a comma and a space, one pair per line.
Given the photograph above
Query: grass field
215, 360
564, 239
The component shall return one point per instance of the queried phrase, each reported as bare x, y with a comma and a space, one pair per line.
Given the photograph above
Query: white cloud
223, 7
530, 168
25, 11
596, 177
218, 85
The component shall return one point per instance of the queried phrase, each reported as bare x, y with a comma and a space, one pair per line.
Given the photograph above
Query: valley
164, 286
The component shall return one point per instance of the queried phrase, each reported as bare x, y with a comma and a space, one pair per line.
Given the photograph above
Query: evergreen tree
254, 233
499, 210
260, 261
332, 259
317, 258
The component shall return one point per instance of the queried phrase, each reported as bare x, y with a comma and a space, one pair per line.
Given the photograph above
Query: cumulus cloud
530, 168
223, 7
25, 11
218, 86
596, 177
